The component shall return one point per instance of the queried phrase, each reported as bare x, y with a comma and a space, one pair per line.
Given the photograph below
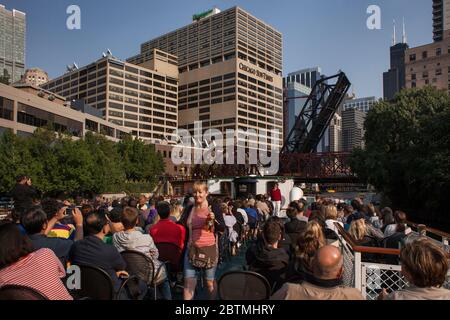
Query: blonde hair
358, 229
309, 242
224, 208
200, 185
329, 212
175, 211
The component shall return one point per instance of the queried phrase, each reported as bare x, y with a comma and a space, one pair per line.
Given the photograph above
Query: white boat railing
371, 277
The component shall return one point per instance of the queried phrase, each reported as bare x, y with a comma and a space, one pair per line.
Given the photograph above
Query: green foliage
407, 154
140, 161
5, 78
58, 163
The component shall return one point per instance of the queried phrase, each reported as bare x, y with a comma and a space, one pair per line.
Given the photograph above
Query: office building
142, 98
352, 129
35, 77
307, 77
24, 107
230, 66
296, 95
441, 19
297, 87
335, 134
394, 80
429, 65
362, 104
12, 43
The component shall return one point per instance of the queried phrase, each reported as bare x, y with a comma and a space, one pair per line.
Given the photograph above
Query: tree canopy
5, 78
407, 153
58, 163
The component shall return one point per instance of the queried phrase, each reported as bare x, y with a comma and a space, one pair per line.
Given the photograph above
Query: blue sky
331, 34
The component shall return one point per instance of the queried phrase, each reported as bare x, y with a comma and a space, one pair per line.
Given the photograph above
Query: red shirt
168, 231
40, 270
275, 195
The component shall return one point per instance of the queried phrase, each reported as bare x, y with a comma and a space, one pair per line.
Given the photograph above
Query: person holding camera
23, 193
65, 224
37, 226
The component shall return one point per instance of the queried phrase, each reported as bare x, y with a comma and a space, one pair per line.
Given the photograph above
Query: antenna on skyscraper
394, 40
404, 40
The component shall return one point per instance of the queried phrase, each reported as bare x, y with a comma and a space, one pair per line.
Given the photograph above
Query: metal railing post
422, 230
358, 269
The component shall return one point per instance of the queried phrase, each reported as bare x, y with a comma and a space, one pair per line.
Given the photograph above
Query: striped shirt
64, 231
40, 270
200, 236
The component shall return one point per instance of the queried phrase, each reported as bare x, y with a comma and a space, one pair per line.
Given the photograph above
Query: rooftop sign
199, 16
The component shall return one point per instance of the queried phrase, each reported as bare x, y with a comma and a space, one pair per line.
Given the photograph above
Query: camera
69, 210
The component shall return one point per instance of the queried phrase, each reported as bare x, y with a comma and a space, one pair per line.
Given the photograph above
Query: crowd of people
299, 255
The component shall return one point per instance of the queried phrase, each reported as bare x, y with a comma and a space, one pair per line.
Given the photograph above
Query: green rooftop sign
197, 17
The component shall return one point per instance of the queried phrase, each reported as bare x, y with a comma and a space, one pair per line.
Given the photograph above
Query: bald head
327, 263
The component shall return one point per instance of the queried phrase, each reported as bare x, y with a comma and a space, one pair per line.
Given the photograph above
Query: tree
139, 160
57, 162
108, 174
407, 154
5, 78
15, 159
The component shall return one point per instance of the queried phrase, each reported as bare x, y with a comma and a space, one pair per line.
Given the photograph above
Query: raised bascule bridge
298, 157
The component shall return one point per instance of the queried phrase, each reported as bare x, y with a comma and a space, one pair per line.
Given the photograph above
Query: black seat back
243, 285
140, 265
14, 292
96, 284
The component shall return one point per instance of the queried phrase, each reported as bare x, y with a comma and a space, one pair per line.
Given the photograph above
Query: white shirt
244, 215
230, 221
330, 225
390, 230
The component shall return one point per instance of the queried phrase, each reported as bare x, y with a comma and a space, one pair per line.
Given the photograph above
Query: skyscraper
352, 129
362, 104
296, 95
441, 19
12, 43
394, 79
297, 87
140, 98
230, 66
429, 65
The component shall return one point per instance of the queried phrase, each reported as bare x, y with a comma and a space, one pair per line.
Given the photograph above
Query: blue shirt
251, 213
61, 247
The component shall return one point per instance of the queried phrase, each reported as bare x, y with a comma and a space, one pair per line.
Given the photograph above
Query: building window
424, 54
438, 72
413, 85
6, 108
438, 51
412, 57
413, 76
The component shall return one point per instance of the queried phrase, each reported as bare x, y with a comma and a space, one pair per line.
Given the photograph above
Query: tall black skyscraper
394, 79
